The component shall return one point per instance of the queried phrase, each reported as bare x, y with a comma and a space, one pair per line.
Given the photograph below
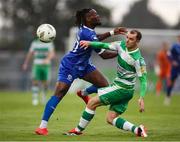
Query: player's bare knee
59, 94
93, 103
109, 119
60, 91
35, 83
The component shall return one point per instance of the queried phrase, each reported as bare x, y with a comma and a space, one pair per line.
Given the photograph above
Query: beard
97, 23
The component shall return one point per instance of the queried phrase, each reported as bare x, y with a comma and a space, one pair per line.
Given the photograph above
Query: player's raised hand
141, 104
120, 30
84, 44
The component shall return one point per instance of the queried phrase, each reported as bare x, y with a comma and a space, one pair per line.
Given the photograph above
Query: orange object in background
164, 67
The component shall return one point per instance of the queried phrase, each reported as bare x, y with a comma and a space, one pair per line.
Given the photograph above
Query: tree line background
22, 17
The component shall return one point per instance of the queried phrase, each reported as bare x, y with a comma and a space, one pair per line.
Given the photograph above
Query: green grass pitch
18, 120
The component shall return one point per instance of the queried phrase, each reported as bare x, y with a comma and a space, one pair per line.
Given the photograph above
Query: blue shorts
174, 73
68, 75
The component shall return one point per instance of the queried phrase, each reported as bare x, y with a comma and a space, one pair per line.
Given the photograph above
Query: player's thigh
94, 102
96, 78
116, 97
119, 107
114, 94
36, 72
111, 115
66, 75
45, 73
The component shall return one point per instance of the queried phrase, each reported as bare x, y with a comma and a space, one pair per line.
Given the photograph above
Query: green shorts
116, 97
41, 72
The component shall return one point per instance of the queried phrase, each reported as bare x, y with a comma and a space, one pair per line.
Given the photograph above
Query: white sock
43, 124
77, 129
84, 92
83, 123
127, 126
35, 96
35, 91
136, 130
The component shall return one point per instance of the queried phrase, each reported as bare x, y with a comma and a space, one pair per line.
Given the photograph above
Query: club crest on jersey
69, 77
94, 37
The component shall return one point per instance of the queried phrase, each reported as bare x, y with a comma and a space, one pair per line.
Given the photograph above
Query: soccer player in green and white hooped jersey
42, 54
120, 92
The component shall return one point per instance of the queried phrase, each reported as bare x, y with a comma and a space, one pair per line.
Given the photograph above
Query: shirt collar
87, 28
133, 50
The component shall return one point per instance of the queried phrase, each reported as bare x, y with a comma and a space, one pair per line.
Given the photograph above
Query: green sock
119, 122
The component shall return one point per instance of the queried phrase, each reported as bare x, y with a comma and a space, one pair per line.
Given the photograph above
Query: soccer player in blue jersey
77, 64
174, 55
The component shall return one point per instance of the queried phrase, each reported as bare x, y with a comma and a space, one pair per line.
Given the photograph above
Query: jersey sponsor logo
142, 66
143, 69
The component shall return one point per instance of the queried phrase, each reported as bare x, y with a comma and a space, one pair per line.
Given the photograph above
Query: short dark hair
138, 34
81, 16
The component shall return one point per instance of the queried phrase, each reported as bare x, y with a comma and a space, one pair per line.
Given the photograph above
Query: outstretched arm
116, 31
108, 54
99, 45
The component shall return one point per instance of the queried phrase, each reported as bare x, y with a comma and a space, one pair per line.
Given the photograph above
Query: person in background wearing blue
77, 64
174, 56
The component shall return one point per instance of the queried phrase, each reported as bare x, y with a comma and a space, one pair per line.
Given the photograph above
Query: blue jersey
76, 63
79, 57
175, 53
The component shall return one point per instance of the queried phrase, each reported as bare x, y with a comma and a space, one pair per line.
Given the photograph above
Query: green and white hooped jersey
40, 50
130, 65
